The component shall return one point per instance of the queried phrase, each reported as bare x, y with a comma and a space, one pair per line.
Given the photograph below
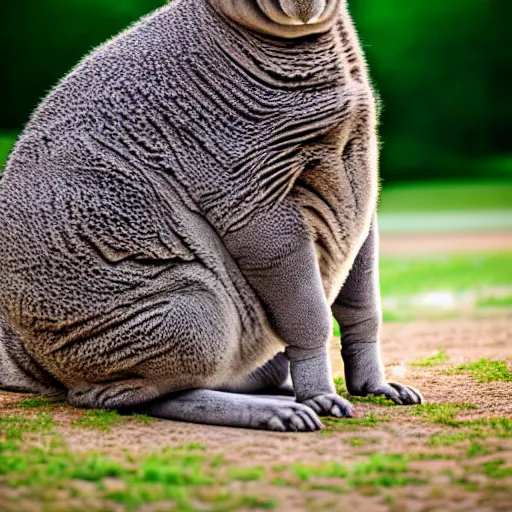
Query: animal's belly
335, 270
338, 204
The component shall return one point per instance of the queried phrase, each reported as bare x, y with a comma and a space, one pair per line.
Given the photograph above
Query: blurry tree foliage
443, 69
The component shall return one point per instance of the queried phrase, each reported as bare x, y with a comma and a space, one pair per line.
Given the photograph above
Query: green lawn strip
434, 360
410, 276
389, 315
495, 302
485, 370
462, 431
405, 280
446, 196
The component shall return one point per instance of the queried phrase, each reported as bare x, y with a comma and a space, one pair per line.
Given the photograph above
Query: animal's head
281, 18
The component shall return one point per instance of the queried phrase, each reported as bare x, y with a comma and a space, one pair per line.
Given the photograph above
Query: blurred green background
442, 68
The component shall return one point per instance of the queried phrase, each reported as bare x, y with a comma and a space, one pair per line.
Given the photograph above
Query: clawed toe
408, 394
298, 418
400, 393
331, 405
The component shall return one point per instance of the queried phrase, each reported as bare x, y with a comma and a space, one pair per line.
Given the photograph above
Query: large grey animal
183, 212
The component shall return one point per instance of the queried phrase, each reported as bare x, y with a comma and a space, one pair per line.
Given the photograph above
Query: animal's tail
18, 371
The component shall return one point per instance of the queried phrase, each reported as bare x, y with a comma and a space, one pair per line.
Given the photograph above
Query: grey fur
186, 205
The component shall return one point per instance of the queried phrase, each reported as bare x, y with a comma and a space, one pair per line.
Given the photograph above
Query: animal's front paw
398, 393
293, 417
331, 405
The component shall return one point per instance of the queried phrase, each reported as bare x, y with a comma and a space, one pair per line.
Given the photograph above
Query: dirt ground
439, 477
391, 245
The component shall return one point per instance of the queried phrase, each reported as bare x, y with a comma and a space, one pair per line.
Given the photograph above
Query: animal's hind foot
282, 414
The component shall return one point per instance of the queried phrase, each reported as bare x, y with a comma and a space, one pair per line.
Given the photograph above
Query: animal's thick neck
276, 62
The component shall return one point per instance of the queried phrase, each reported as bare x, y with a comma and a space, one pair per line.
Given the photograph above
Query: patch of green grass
357, 442
389, 315
378, 471
383, 470
168, 467
247, 474
143, 417
495, 469
350, 424
38, 402
453, 273
473, 430
253, 502
341, 389
495, 302
430, 456
192, 447
336, 329
441, 414
371, 399
328, 488
476, 449
485, 370
448, 438
434, 360
94, 468
100, 418
339, 384
331, 470
446, 196
177, 474
139, 494
14, 426
501, 427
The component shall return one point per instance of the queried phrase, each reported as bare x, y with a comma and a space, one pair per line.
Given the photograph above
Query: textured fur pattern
184, 205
